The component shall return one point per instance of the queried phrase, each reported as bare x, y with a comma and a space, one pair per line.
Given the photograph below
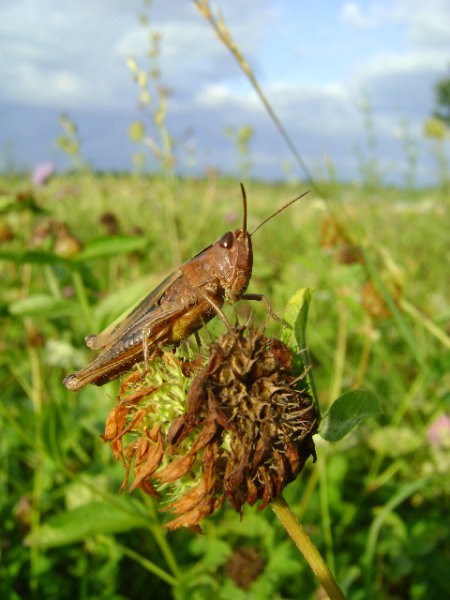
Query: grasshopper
178, 307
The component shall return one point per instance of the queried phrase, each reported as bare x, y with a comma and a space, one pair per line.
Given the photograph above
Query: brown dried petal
176, 469
148, 458
201, 500
182, 426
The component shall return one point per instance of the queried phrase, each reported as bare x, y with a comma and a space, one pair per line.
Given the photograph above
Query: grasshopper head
234, 256
237, 258
236, 262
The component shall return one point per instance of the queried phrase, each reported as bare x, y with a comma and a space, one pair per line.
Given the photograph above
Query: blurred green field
78, 251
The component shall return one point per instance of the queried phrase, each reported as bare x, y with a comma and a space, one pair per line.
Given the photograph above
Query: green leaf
215, 552
297, 307
39, 305
20, 203
281, 561
395, 441
83, 522
302, 317
53, 431
32, 256
296, 316
347, 411
111, 246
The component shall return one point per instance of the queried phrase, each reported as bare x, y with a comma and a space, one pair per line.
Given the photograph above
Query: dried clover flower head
237, 425
245, 565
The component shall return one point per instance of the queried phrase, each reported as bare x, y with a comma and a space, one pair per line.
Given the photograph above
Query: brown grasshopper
179, 306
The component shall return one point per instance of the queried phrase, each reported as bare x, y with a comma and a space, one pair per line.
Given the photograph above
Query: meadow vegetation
80, 248
77, 252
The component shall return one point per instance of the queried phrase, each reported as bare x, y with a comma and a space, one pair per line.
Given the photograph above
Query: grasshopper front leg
263, 299
218, 310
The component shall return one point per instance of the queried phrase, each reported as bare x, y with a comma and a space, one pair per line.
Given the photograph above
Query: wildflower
42, 173
237, 425
438, 433
66, 243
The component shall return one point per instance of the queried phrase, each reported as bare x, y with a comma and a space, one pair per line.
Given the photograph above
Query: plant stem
141, 560
221, 30
327, 533
426, 322
82, 297
363, 361
160, 536
340, 352
36, 398
307, 548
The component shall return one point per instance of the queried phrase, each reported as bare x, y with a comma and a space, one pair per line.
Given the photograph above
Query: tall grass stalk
153, 132
343, 220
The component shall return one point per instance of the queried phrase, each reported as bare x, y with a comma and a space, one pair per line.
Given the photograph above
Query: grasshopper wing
115, 331
118, 358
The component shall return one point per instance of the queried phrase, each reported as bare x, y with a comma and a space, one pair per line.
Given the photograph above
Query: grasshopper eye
226, 241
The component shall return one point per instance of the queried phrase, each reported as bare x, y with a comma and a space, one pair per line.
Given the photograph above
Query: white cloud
352, 14
55, 56
71, 57
188, 53
391, 63
427, 22
74, 54
218, 95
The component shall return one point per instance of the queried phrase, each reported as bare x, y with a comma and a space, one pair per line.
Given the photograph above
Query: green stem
311, 485
363, 361
36, 398
224, 35
425, 322
402, 326
404, 405
171, 217
160, 537
307, 548
368, 558
325, 513
155, 528
339, 355
82, 298
144, 562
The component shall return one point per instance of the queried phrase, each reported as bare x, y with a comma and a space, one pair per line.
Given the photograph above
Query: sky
336, 73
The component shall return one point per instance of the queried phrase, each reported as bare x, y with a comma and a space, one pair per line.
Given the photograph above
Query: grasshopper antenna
277, 212
244, 200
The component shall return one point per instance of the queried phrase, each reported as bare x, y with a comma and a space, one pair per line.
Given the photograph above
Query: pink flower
231, 217
42, 173
439, 432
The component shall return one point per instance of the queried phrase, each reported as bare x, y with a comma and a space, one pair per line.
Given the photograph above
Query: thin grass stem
141, 560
